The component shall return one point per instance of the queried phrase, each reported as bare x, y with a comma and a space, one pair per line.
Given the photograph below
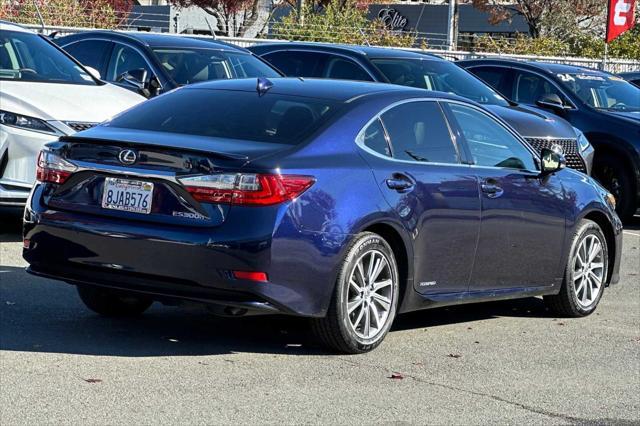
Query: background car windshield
186, 66
603, 91
230, 114
438, 75
27, 57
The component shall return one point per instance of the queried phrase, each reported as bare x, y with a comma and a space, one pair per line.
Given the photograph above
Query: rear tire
585, 273
365, 298
613, 174
113, 303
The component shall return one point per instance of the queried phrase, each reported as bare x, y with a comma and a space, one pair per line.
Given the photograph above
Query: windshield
27, 57
186, 66
442, 76
229, 114
603, 91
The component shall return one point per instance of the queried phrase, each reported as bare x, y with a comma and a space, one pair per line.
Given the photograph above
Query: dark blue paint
475, 247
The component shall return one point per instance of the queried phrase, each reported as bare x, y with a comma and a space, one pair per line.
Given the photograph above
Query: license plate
127, 195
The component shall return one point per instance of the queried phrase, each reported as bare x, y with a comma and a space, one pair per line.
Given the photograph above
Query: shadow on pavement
39, 315
10, 225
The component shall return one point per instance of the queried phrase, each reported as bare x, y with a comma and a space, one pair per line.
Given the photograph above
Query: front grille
79, 126
569, 147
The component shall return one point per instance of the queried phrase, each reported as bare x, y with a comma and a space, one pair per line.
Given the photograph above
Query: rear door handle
399, 182
491, 188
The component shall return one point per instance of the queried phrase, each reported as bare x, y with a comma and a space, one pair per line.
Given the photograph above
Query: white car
44, 94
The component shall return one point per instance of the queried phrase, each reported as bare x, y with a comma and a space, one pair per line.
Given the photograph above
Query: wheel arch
607, 228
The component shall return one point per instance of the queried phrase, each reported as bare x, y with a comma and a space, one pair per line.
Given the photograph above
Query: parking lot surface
506, 363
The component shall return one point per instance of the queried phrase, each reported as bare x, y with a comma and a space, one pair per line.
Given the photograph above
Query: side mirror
551, 101
137, 78
551, 161
94, 72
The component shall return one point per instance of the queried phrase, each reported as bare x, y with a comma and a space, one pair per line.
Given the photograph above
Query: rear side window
230, 114
344, 69
297, 64
496, 77
418, 132
90, 53
374, 138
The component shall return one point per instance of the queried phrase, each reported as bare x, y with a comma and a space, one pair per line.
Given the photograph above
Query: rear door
419, 169
523, 216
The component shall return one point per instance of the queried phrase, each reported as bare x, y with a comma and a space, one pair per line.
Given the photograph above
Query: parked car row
333, 198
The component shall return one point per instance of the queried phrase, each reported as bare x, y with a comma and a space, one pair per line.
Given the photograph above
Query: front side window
27, 57
530, 88
187, 66
344, 69
418, 132
603, 91
440, 75
125, 59
231, 115
490, 143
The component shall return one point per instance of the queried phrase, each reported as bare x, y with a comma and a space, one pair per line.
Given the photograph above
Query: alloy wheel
588, 270
370, 294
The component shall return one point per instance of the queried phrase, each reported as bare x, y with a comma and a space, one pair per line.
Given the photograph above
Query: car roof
541, 66
337, 90
376, 52
156, 39
10, 26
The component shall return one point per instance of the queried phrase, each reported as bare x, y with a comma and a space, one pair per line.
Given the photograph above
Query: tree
338, 21
73, 13
543, 17
234, 17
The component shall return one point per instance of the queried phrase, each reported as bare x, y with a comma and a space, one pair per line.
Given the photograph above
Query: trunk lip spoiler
80, 139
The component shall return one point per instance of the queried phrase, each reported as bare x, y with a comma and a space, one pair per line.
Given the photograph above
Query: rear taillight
246, 189
53, 168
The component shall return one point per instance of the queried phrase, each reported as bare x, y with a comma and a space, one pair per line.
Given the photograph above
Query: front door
522, 228
419, 170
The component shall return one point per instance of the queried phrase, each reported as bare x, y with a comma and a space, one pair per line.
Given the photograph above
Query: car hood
533, 123
66, 102
629, 115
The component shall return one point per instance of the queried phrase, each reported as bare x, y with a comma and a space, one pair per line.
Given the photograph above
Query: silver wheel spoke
597, 265
595, 250
360, 274
358, 319
372, 261
381, 284
595, 279
352, 306
376, 317
384, 302
367, 321
380, 265
577, 275
580, 286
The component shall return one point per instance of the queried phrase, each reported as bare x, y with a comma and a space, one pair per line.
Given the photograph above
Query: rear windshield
230, 114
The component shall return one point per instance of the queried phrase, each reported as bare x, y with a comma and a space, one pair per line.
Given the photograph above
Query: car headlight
611, 200
27, 123
583, 142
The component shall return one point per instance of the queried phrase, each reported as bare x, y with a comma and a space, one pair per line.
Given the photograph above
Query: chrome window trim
359, 137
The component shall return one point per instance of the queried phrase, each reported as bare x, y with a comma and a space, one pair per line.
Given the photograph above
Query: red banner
621, 18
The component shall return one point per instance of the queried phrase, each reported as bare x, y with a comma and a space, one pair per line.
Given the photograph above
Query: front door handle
399, 182
491, 188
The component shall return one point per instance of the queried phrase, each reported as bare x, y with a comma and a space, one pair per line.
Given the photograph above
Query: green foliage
339, 22
71, 13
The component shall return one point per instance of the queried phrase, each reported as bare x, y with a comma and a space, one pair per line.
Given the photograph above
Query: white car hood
66, 102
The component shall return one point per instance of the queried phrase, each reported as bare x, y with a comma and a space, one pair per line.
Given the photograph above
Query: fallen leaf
454, 355
418, 363
476, 342
202, 363
469, 328
560, 323
93, 380
396, 376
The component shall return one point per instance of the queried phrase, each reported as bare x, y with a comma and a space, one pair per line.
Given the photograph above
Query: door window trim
462, 154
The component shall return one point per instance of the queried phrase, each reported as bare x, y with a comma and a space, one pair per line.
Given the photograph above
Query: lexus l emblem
127, 157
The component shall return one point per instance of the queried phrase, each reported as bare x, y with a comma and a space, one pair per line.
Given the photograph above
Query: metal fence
611, 65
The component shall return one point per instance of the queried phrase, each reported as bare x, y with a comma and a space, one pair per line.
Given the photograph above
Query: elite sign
621, 18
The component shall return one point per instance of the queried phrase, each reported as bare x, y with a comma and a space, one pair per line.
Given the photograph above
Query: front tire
612, 173
365, 298
113, 303
585, 274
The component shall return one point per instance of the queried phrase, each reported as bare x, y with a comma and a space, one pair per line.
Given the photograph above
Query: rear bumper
188, 263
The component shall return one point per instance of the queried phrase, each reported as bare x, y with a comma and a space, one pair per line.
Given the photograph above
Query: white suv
44, 94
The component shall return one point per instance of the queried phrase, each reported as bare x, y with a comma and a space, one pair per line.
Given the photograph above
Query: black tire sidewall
585, 229
626, 207
364, 243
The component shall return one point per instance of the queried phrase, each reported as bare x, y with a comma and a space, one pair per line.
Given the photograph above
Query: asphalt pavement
496, 363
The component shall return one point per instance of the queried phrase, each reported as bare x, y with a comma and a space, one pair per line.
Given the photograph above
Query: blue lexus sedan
347, 202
